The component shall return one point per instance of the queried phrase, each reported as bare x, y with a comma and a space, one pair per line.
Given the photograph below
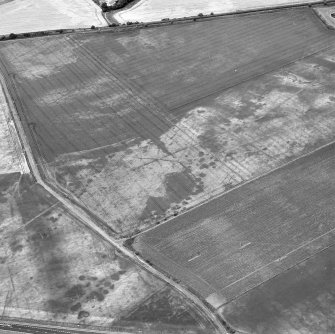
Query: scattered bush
117, 5
12, 36
104, 7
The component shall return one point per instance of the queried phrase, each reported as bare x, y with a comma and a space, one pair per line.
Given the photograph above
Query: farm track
83, 217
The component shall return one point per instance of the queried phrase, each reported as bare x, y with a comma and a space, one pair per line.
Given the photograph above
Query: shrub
92, 27
12, 36
212, 13
200, 14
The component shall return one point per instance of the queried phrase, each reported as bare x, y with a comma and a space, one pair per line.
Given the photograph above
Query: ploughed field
54, 270
300, 301
236, 242
142, 125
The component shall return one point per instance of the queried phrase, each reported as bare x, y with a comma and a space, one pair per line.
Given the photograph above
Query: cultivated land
52, 269
251, 234
300, 301
109, 125
18, 16
156, 10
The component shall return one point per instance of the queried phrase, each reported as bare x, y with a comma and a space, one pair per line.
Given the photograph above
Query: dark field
301, 300
251, 234
140, 126
52, 269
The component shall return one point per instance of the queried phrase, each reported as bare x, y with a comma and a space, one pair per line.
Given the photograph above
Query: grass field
143, 125
251, 234
53, 269
156, 10
18, 16
299, 301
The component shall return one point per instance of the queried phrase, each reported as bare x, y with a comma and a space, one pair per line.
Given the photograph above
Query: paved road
81, 215
24, 328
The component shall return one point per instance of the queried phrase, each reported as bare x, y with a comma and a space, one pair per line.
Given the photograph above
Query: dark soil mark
96, 295
32, 198
58, 306
178, 187
6, 183
165, 307
75, 307
90, 289
83, 314
15, 246
115, 277
76, 292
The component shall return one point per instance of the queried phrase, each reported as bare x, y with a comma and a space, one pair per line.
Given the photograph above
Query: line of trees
117, 5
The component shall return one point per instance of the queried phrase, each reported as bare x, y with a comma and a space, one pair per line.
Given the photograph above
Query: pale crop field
155, 10
11, 156
20, 16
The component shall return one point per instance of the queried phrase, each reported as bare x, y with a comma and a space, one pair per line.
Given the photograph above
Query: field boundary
130, 26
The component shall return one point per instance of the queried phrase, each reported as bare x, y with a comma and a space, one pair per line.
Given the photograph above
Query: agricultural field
299, 301
52, 269
238, 241
12, 158
109, 125
156, 10
19, 16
